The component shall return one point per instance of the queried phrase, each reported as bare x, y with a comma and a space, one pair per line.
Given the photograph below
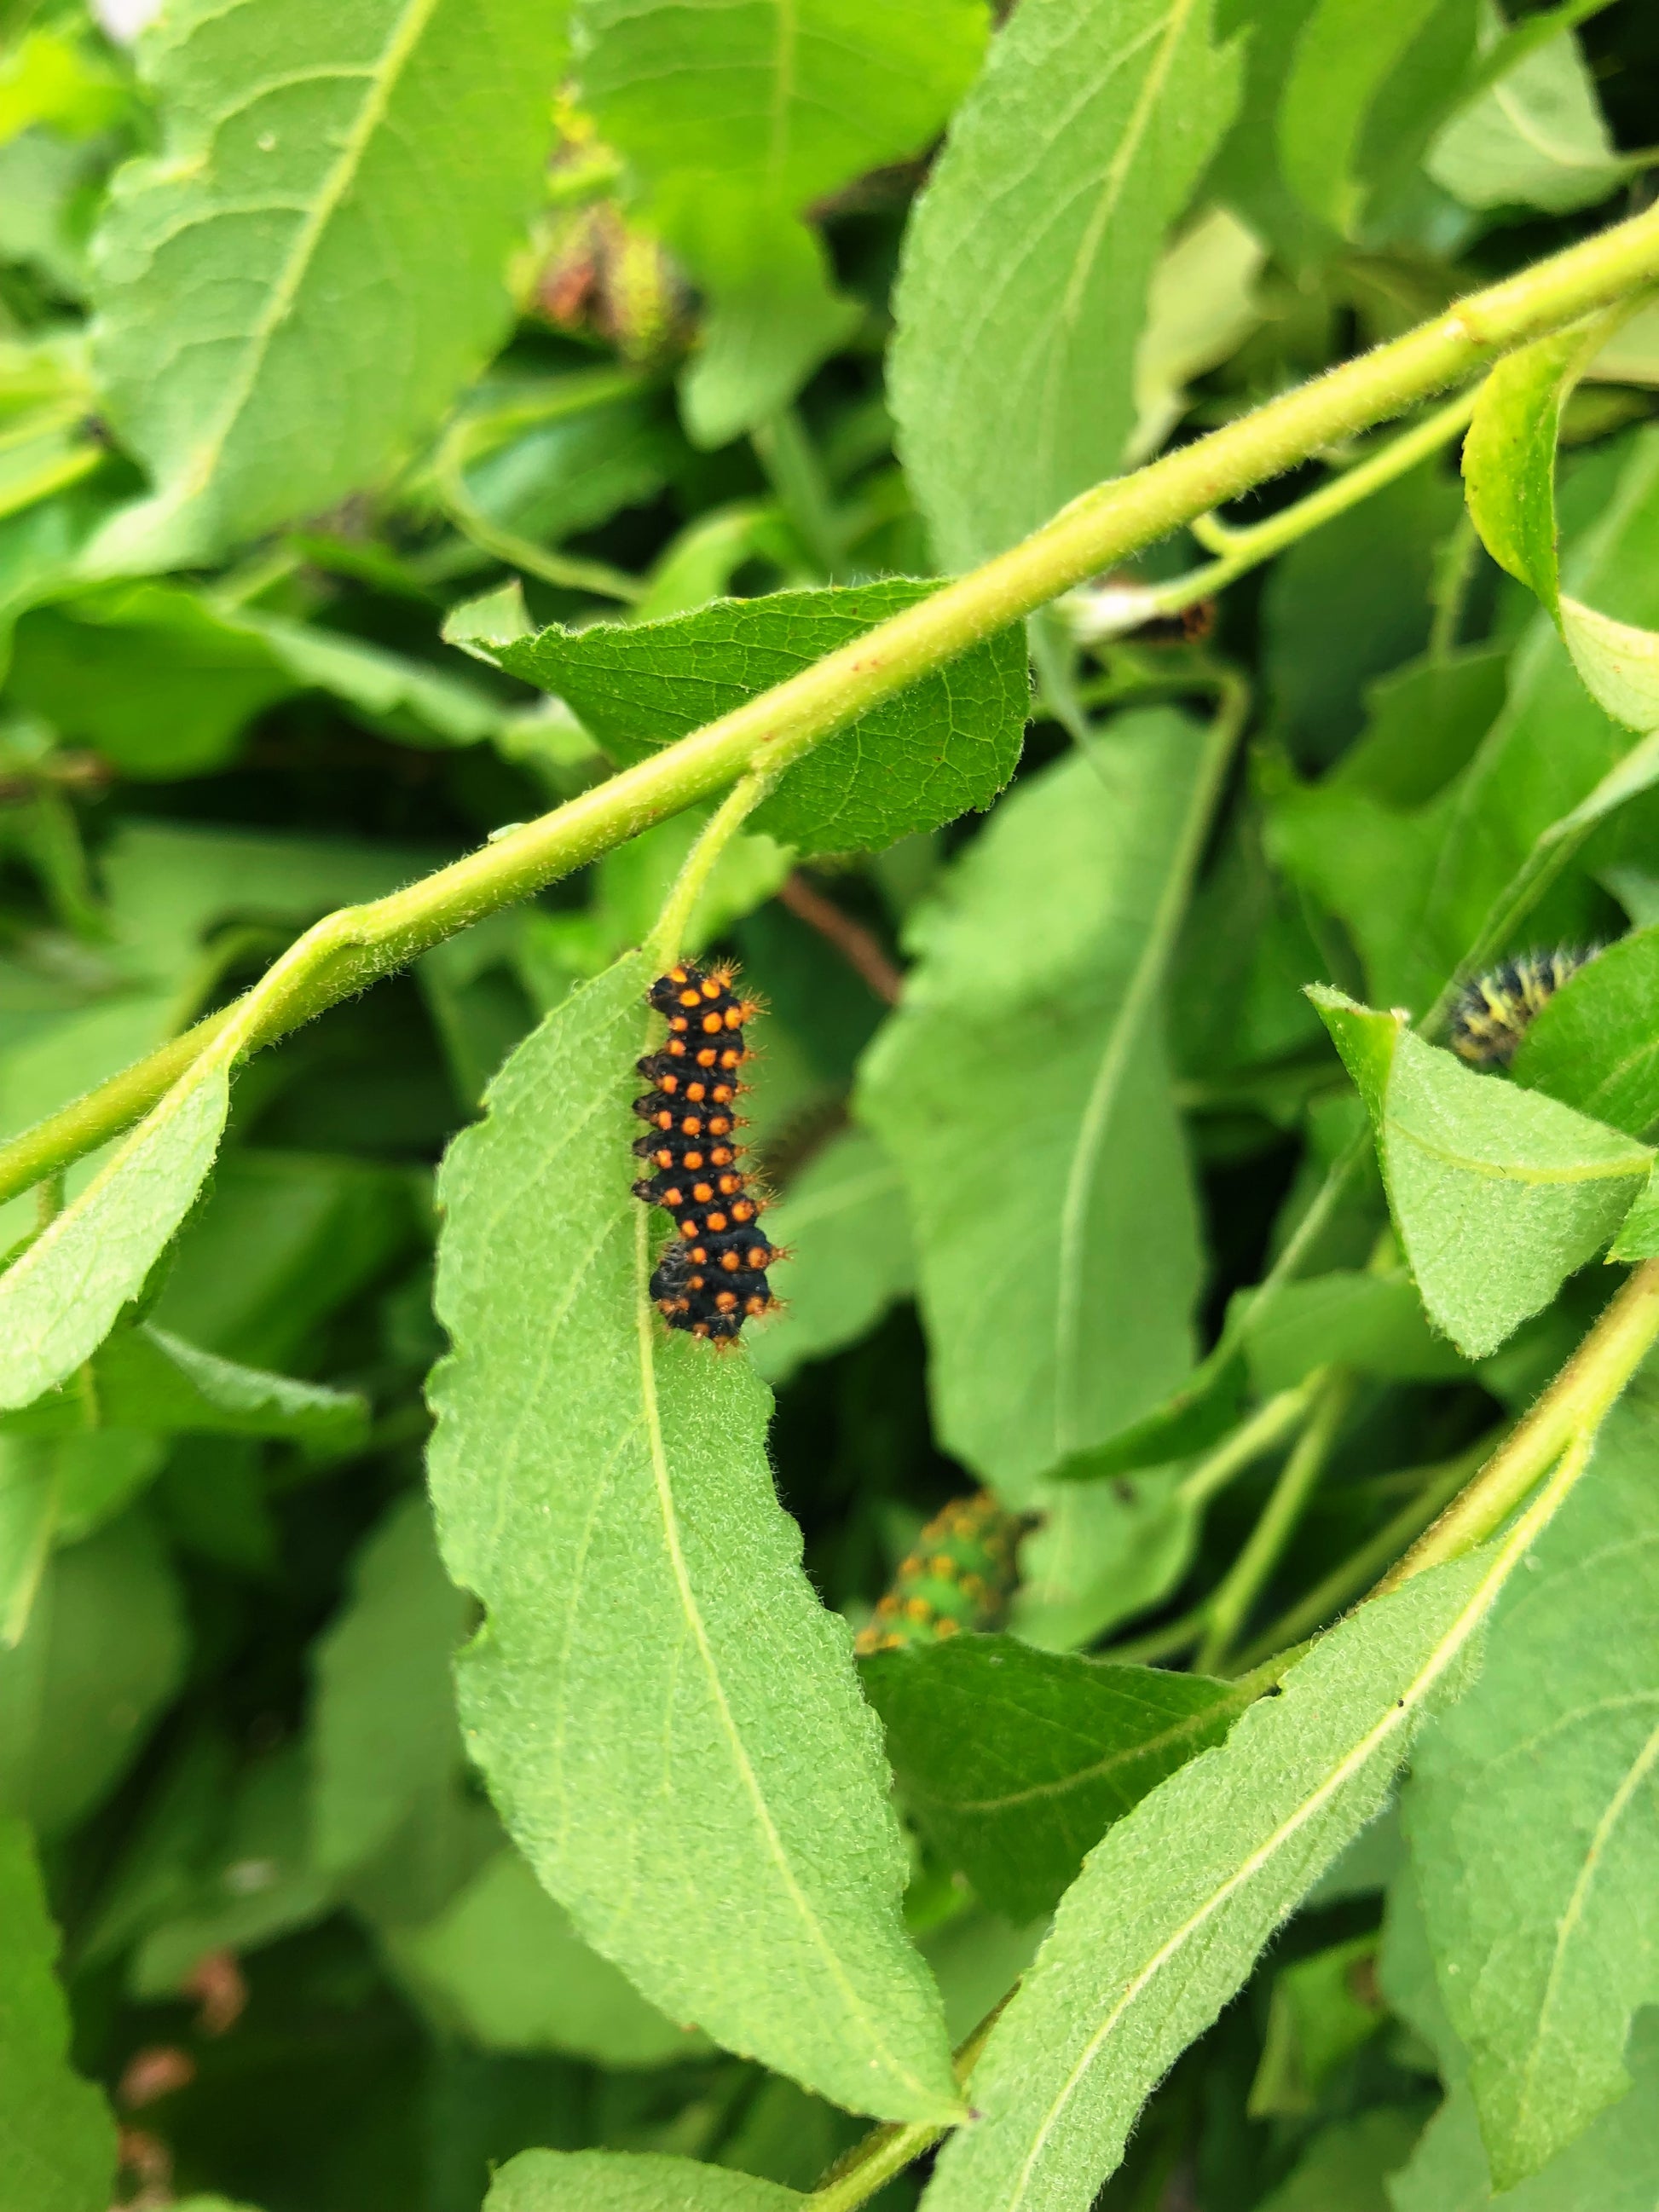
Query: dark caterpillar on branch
1493, 1013
712, 1278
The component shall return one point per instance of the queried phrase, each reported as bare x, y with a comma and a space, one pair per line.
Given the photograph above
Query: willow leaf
1171, 1910
668, 1720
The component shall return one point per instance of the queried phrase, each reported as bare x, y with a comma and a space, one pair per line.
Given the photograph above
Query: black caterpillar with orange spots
712, 1279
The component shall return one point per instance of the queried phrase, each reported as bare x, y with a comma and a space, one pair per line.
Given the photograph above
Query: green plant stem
888, 2149
1241, 550
668, 937
346, 952
1176, 1637
472, 435
1574, 1406
1271, 1424
1230, 1603
1437, 1486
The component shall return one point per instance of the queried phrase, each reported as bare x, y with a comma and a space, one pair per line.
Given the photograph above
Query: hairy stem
668, 937
781, 726
1240, 551
888, 2150
1574, 1406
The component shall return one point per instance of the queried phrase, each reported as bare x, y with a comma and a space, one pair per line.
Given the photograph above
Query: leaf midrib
1640, 1767
1189, 1725
1629, 1170
1397, 1717
380, 80
645, 1315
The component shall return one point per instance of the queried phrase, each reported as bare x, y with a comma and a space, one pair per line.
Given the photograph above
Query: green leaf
1016, 1762
1534, 1818
1324, 2009
1105, 1551
1595, 1046
104, 1650
1424, 721
146, 1378
946, 745
1638, 1233
1057, 1292
666, 1717
385, 1737
1509, 464
363, 169
504, 1964
1028, 257
1613, 2166
732, 121
58, 1301
56, 2138
1347, 604
1535, 138
1498, 1192
1375, 1323
257, 1882
1343, 2168
843, 1223
629, 2181
54, 1490
1358, 64
283, 1239
1508, 458
1171, 1911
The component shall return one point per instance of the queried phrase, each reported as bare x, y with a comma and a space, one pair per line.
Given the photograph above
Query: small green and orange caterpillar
712, 1278
960, 1576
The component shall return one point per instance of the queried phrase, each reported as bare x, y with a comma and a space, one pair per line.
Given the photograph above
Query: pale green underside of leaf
1026, 263
56, 2137
503, 1963
57, 1302
843, 1223
1533, 1818
1498, 1192
303, 276
1595, 1045
942, 746
1057, 1290
1613, 2167
1537, 136
667, 1718
384, 1731
1170, 1912
629, 2181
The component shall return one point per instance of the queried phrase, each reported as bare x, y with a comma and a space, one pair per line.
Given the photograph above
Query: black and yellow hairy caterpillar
712, 1278
1493, 1013
961, 1575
